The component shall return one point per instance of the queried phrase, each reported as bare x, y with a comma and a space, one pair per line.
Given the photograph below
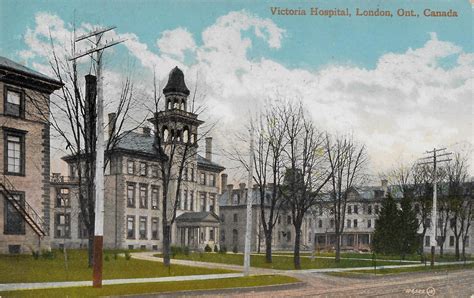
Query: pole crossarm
95, 32
97, 49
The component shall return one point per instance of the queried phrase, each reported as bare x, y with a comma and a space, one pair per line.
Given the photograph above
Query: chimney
146, 131
242, 186
223, 182
209, 148
90, 101
230, 187
384, 186
112, 117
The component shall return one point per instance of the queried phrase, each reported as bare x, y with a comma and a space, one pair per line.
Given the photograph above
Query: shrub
128, 256
207, 248
47, 254
115, 256
216, 249
234, 249
223, 249
107, 258
35, 254
186, 251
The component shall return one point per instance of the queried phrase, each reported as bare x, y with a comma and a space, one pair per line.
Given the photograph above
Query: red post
97, 271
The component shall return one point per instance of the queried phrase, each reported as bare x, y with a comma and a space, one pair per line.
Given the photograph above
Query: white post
99, 175
248, 230
434, 210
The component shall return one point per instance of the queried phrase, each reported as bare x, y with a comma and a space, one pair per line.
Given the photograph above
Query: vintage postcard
236, 148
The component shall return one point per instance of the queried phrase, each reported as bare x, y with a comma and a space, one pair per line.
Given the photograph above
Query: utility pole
433, 159
248, 230
98, 48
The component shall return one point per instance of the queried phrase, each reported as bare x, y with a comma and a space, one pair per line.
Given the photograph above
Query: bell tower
175, 124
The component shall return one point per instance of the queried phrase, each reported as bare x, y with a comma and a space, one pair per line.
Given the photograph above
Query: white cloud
403, 106
176, 42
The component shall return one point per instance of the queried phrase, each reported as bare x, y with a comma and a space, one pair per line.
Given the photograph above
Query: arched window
165, 133
186, 134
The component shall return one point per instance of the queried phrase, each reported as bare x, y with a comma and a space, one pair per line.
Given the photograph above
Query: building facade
133, 186
24, 160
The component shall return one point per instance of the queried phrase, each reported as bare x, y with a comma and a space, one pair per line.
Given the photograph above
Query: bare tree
347, 162
306, 168
175, 143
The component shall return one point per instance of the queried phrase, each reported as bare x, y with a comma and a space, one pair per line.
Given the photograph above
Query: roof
197, 217
134, 142
176, 82
12, 65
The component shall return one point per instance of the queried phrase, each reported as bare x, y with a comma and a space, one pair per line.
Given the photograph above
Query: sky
399, 85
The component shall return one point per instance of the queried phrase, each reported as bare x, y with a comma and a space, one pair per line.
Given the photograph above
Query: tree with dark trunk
347, 162
306, 172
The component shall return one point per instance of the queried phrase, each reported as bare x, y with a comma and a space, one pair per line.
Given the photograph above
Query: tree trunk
90, 249
441, 248
166, 245
268, 247
296, 256
458, 256
338, 248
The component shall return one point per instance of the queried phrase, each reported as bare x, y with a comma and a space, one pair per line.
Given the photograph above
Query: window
14, 223
185, 199
192, 174
130, 227
202, 178
452, 223
131, 167
154, 198
235, 199
185, 174
202, 201
320, 211
451, 241
355, 223
348, 223
222, 236
143, 196
427, 240
14, 103
14, 152
82, 233
466, 241
62, 197
211, 234
212, 180
331, 223
142, 227
212, 202
369, 223
427, 222
131, 195
320, 223
191, 200
143, 169
369, 209
376, 209
236, 218
349, 209
154, 228
62, 225
222, 217
235, 236
154, 171
288, 236
288, 219
356, 209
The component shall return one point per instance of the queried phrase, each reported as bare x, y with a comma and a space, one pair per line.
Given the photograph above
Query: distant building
24, 161
133, 196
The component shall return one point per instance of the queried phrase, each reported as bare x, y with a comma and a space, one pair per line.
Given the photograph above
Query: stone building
24, 160
133, 188
233, 214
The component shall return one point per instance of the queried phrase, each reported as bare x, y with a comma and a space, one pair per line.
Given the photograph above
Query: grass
279, 262
355, 255
147, 288
24, 268
441, 268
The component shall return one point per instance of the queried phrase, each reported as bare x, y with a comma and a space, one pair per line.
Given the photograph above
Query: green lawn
358, 273
143, 288
279, 262
24, 268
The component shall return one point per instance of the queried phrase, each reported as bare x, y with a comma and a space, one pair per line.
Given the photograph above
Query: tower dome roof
176, 82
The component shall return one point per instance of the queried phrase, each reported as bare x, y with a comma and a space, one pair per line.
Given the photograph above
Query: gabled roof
198, 217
